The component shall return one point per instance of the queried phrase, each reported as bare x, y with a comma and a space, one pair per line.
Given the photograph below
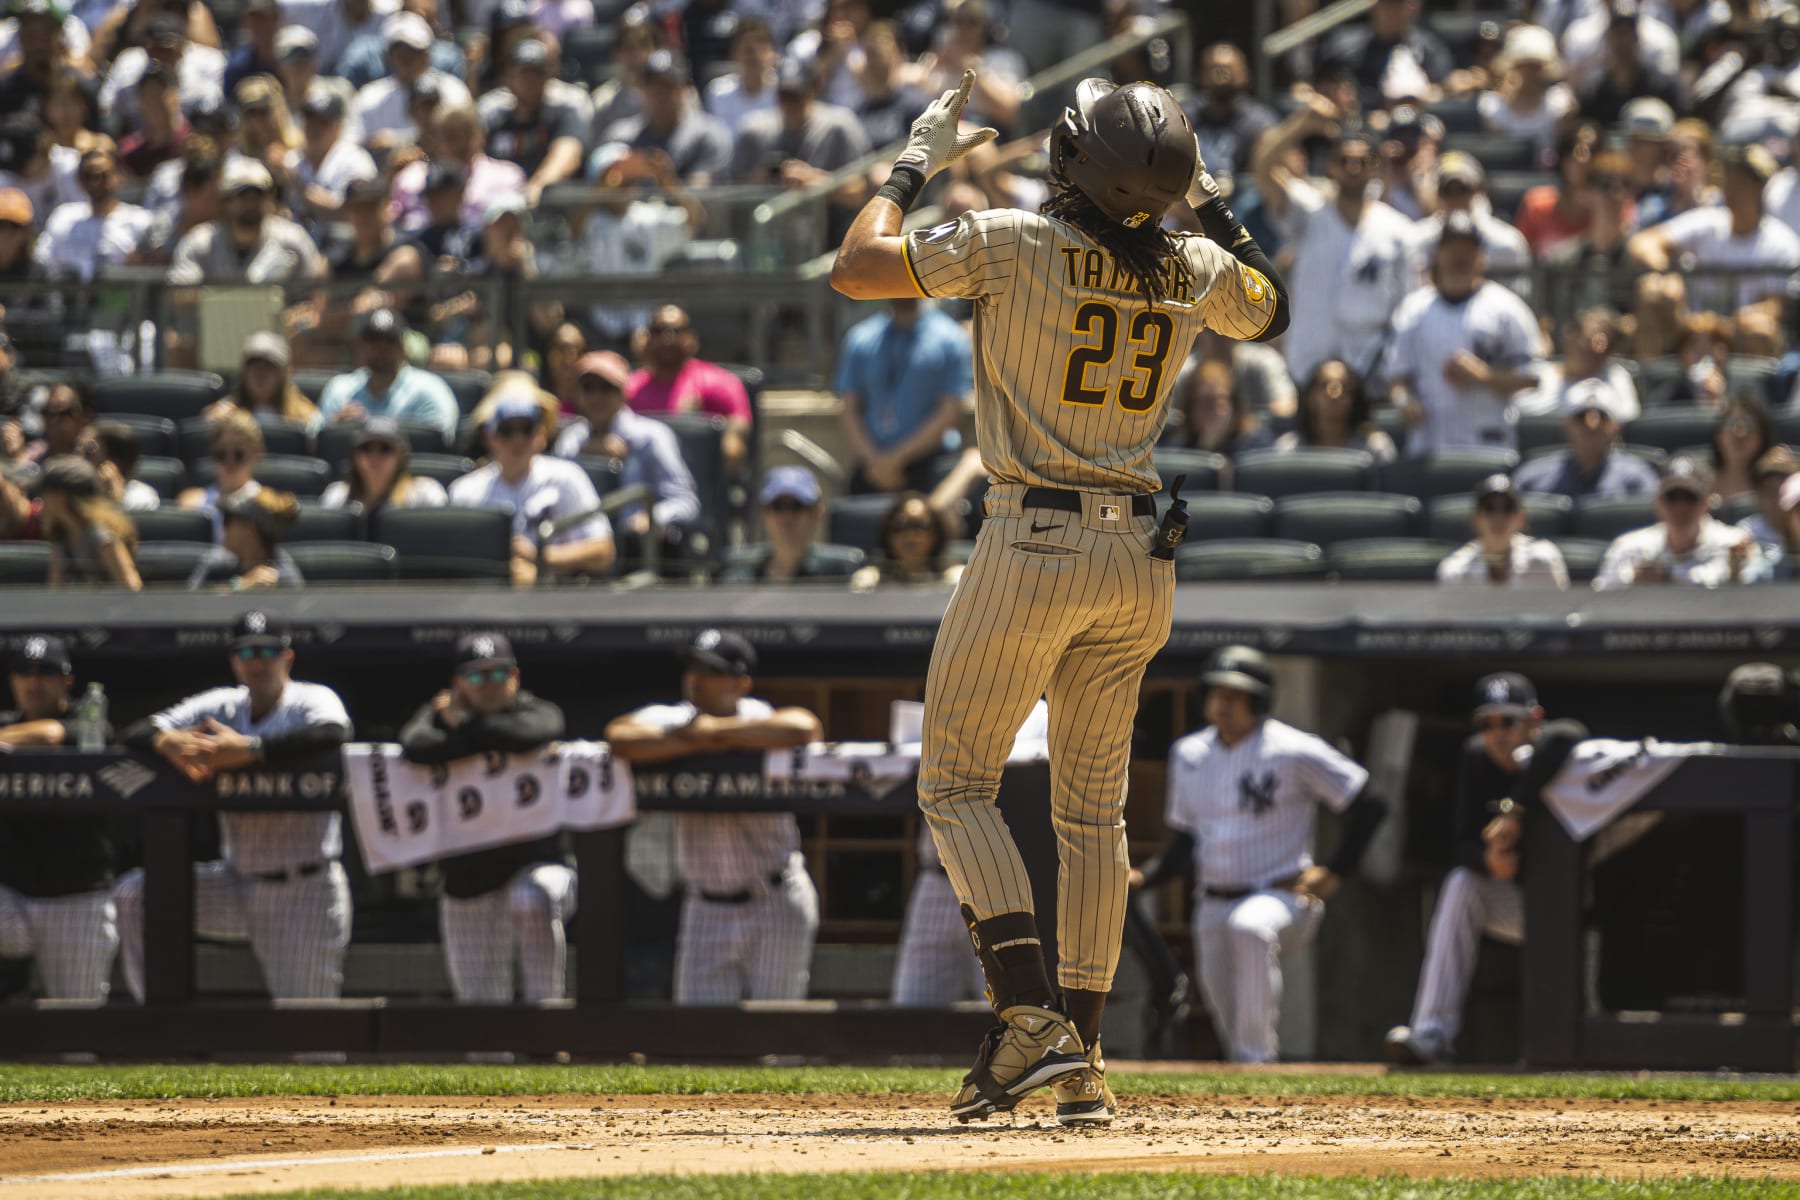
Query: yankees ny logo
1256, 795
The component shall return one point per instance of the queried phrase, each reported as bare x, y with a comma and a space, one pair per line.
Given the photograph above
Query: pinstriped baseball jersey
1250, 806
1073, 372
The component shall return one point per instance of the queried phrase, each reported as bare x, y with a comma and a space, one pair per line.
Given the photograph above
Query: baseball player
751, 912
1241, 799
278, 883
1481, 895
1083, 315
505, 901
55, 871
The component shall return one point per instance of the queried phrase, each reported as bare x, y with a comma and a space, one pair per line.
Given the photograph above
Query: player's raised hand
935, 142
1204, 188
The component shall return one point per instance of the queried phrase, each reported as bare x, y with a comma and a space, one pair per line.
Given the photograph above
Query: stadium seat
1657, 378
301, 474
1217, 516
1787, 425
468, 386
1656, 456
176, 395
317, 524
344, 562
1460, 30
835, 561
279, 437
702, 439
1608, 516
1448, 472
1450, 518
167, 475
446, 543
169, 562
1388, 560
1279, 473
1541, 431
24, 564
1495, 152
445, 468
1582, 556
1249, 559
854, 520
1749, 373
156, 436
587, 54
603, 473
1506, 188
1672, 428
168, 524
312, 382
1328, 518
335, 440
1205, 471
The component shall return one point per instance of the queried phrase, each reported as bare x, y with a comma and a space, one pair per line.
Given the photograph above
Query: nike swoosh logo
1036, 528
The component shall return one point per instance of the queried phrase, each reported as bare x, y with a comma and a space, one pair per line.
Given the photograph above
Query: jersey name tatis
1087, 267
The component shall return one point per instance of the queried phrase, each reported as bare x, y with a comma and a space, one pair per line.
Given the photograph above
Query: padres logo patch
1254, 289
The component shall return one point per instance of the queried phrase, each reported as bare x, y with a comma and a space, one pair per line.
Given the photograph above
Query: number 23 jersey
1073, 371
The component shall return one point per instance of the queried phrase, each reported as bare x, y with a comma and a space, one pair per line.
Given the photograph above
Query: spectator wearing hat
1740, 234
1767, 523
1593, 464
445, 239
162, 130
792, 506
382, 105
199, 69
749, 86
698, 146
459, 142
750, 913
1531, 100
297, 47
536, 121
249, 243
1227, 119
379, 474
83, 238
386, 385
335, 24
905, 378
802, 140
1686, 545
1462, 348
1462, 188
249, 556
1616, 30
1590, 343
255, 52
648, 450
366, 59
41, 40
537, 488
1647, 124
91, 539
1389, 55
326, 162
112, 446
18, 236
645, 218
1783, 561
265, 386
507, 902
674, 379
1501, 554
56, 869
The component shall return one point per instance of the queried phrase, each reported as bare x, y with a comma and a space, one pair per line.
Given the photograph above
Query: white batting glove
935, 143
1204, 188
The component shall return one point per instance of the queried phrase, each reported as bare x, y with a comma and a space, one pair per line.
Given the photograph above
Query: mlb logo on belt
1109, 512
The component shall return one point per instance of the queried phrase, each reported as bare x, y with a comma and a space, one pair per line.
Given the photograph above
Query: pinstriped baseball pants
1071, 607
72, 937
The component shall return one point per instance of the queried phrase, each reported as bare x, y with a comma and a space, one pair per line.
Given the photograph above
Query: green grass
1138, 1186
28, 1083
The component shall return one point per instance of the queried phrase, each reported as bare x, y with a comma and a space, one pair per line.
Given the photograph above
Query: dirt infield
139, 1150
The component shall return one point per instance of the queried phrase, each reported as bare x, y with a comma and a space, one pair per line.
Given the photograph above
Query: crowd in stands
1557, 243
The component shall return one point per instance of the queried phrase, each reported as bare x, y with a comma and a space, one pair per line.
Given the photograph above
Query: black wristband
1218, 221
904, 183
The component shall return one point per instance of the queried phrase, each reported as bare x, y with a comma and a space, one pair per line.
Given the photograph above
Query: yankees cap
1506, 692
727, 653
258, 628
43, 650
484, 649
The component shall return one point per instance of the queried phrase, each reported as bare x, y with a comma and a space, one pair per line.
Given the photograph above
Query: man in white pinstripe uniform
278, 883
55, 869
751, 913
1242, 794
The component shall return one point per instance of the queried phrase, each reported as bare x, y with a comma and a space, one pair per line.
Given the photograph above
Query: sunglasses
252, 653
1681, 496
787, 505
483, 676
1493, 723
233, 457
61, 414
38, 670
593, 383
513, 429
375, 448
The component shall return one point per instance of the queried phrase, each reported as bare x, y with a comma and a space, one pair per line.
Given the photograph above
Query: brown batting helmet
1128, 149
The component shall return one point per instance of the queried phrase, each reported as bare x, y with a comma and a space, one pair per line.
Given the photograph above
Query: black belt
1142, 505
1277, 885
743, 897
303, 871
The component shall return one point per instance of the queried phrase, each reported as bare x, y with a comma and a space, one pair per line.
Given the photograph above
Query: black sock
1084, 1009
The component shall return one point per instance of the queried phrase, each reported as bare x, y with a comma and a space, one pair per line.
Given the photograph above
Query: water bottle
90, 719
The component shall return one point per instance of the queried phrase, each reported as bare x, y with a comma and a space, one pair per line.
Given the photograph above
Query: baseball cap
69, 473
407, 29
791, 482
258, 628
382, 323
484, 649
1590, 395
1497, 484
323, 100
606, 364
500, 206
1506, 692
443, 175
726, 653
1459, 225
1685, 474
1753, 160
1456, 166
245, 175
425, 90
515, 407
1530, 43
15, 207
208, 114
529, 52
666, 64
379, 429
796, 75
43, 650
1776, 463
1647, 117
270, 347
295, 41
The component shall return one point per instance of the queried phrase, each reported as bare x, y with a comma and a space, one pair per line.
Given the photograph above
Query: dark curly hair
1146, 252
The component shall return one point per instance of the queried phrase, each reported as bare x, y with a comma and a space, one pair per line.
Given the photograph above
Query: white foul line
266, 1164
